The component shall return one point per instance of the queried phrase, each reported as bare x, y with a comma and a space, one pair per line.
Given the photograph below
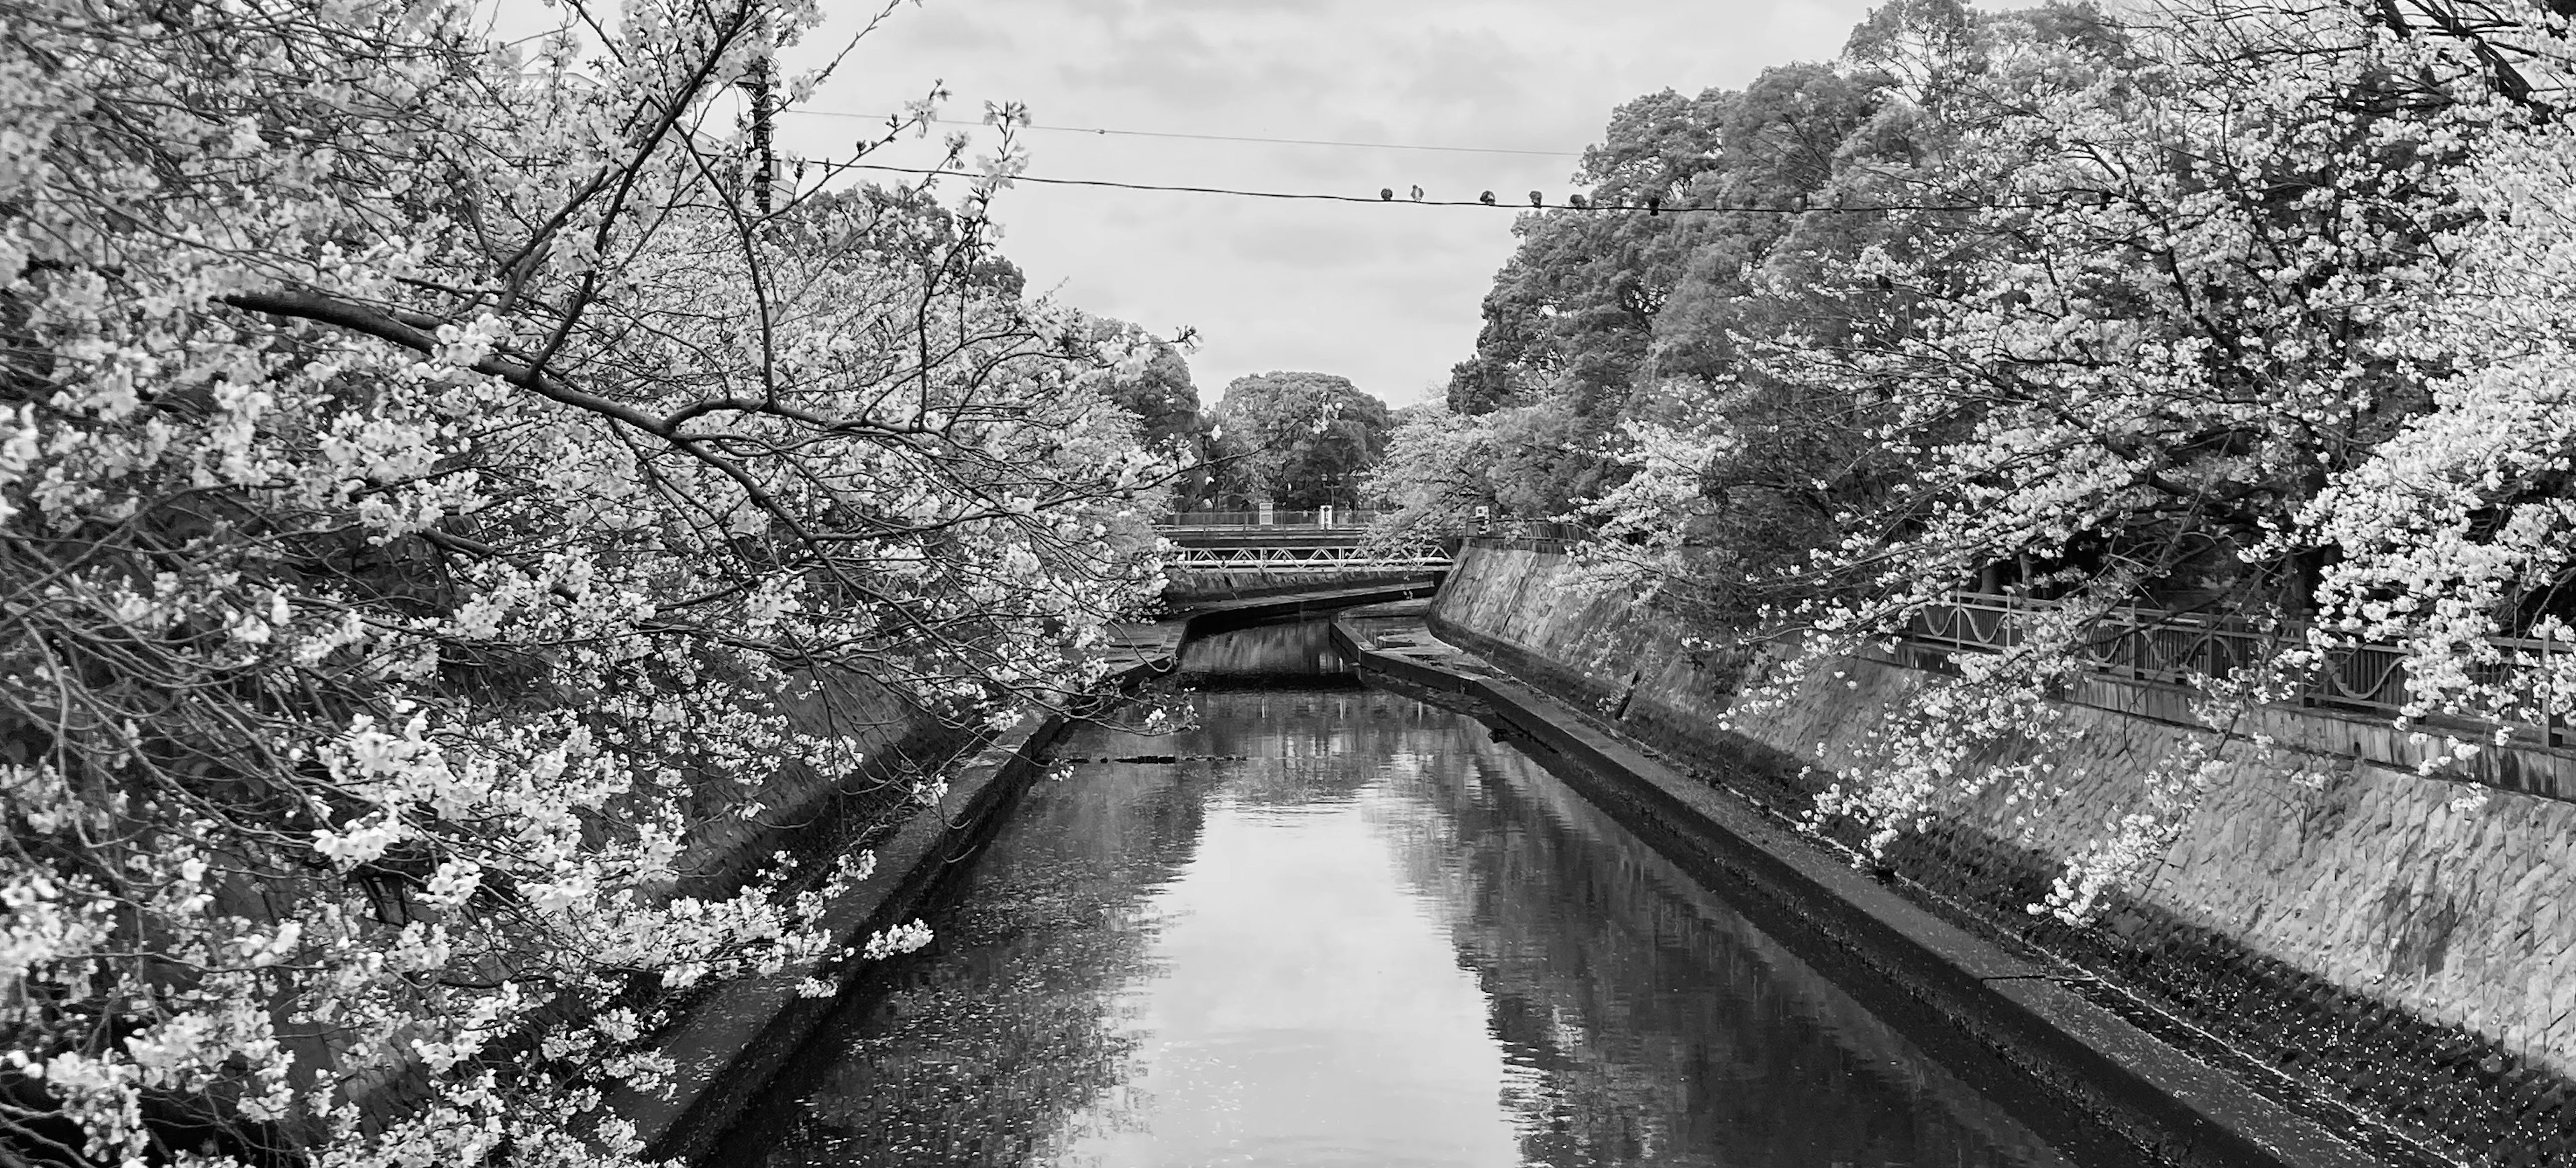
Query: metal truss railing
1317, 559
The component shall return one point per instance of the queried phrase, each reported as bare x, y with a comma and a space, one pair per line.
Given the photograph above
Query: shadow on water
1341, 927
1297, 655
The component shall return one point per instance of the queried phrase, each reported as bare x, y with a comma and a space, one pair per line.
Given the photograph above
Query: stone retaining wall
2332, 918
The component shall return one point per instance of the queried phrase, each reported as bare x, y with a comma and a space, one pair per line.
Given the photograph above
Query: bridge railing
1319, 560
1322, 517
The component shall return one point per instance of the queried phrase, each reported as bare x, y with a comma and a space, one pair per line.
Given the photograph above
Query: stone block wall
2340, 922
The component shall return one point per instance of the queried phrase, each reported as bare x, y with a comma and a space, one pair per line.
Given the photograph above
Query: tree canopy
2223, 309
426, 465
1299, 440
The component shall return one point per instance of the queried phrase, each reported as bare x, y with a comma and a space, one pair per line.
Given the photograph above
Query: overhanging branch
384, 326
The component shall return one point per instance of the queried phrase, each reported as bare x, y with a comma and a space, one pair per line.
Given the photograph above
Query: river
1333, 926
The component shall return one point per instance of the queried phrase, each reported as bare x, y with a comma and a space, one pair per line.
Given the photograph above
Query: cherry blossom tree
424, 463
2454, 530
2243, 312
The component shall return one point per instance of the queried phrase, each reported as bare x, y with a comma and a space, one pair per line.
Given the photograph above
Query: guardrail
2152, 645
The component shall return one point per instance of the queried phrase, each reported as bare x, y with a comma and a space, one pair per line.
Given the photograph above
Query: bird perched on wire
1537, 199
1386, 193
1487, 198
1575, 201
1417, 192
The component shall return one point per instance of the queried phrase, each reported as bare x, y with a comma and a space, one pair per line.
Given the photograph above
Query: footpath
2015, 1019
734, 1041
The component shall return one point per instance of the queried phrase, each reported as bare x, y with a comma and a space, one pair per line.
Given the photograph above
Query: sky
1387, 296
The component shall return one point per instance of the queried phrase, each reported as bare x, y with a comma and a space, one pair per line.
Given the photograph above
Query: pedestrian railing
2134, 643
1321, 517
2152, 645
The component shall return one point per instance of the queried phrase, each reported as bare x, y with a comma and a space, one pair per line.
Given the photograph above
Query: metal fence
1322, 517
2132, 643
2173, 648
1315, 561
1535, 529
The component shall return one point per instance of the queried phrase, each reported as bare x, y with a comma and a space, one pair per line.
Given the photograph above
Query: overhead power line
1487, 200
1102, 131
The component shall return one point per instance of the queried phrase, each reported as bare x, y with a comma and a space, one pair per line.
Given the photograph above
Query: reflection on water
1378, 937
1297, 655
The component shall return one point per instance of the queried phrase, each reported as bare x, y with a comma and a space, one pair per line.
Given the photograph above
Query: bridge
1230, 552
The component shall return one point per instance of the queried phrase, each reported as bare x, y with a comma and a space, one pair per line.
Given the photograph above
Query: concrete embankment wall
2331, 916
812, 816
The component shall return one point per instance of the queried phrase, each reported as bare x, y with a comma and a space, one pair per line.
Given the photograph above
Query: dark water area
1344, 928
1280, 656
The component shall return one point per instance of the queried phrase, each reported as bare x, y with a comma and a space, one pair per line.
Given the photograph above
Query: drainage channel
1337, 926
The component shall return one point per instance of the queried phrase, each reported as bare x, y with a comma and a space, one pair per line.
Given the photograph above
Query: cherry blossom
440, 484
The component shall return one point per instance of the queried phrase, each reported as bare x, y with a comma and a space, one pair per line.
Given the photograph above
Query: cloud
950, 29
1389, 297
1474, 74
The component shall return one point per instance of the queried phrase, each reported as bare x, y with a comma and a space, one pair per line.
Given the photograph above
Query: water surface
1346, 928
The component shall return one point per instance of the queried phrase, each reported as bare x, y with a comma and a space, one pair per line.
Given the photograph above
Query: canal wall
2331, 917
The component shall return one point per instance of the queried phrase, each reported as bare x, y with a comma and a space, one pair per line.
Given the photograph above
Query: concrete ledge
1194, 586
2060, 1045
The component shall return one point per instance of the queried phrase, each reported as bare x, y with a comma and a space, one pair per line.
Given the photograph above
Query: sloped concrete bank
2100, 1088
733, 1042
2327, 926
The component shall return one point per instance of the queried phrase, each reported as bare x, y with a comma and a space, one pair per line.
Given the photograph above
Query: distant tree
1435, 474
1152, 381
1596, 309
1297, 439
905, 224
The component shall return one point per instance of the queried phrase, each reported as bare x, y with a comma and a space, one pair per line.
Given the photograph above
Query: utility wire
1095, 130
1498, 204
